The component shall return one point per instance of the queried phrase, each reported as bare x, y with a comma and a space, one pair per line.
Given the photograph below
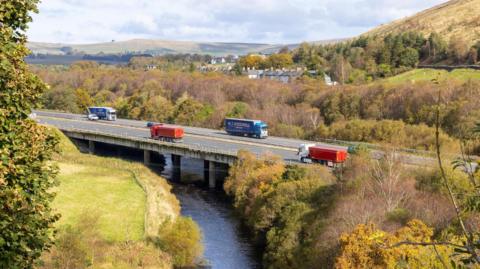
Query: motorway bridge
212, 146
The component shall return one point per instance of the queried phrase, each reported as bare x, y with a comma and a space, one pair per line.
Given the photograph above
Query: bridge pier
146, 157
209, 174
176, 167
91, 147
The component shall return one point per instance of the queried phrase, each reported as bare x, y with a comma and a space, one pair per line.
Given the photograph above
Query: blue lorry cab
246, 127
104, 113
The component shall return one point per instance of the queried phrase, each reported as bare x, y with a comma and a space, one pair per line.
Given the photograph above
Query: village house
282, 75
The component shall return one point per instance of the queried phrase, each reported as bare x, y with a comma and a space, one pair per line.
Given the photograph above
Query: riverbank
117, 214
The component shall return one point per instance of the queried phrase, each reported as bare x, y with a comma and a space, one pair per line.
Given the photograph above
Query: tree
181, 239
26, 176
238, 110
251, 61
280, 60
387, 180
437, 46
397, 51
458, 48
83, 99
341, 68
368, 247
409, 57
191, 112
300, 55
473, 56
384, 70
61, 99
468, 251
284, 50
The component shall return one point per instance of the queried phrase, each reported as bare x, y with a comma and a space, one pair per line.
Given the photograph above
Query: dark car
150, 124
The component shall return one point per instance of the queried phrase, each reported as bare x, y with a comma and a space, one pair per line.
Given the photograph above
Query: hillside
160, 47
152, 46
456, 17
425, 75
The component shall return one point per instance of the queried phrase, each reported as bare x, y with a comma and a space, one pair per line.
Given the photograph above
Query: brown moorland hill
453, 18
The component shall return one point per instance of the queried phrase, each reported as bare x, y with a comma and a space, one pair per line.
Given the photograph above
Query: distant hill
456, 17
157, 47
160, 47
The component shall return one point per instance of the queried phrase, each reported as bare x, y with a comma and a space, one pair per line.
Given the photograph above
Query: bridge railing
191, 146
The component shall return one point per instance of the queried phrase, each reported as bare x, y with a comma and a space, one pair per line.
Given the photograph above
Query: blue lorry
103, 113
246, 127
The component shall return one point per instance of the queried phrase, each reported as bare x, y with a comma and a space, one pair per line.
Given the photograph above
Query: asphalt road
209, 138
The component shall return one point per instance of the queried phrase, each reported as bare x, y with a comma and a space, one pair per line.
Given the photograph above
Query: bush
368, 247
181, 239
285, 130
430, 180
400, 215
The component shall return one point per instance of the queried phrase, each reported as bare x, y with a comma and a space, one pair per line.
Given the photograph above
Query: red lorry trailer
166, 133
323, 155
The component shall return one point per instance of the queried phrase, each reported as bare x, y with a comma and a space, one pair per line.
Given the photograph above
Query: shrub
181, 239
369, 247
400, 215
286, 130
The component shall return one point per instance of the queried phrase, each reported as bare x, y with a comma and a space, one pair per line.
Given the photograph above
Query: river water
227, 243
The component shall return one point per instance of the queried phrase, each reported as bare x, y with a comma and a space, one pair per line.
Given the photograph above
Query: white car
92, 117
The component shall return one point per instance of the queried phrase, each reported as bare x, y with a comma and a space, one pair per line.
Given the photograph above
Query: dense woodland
371, 57
400, 115
365, 217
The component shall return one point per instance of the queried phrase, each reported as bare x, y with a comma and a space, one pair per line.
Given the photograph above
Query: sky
249, 21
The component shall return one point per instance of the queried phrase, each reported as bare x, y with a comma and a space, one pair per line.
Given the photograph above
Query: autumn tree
279, 60
252, 61
181, 239
190, 112
248, 178
341, 68
26, 176
458, 48
83, 99
473, 56
436, 46
368, 247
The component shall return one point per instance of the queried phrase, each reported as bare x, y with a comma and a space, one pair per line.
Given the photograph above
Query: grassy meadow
114, 196
424, 75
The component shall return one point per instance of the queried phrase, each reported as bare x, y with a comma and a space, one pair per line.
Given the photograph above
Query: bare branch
426, 244
469, 246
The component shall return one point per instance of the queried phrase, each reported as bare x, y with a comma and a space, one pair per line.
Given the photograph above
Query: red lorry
166, 133
324, 155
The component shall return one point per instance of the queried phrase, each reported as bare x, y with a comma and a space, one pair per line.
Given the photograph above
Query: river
227, 243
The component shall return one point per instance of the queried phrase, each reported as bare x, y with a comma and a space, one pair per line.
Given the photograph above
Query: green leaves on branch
26, 177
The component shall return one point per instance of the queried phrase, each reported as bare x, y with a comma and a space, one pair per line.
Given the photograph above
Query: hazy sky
262, 21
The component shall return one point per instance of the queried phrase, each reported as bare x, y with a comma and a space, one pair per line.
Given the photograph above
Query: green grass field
420, 75
95, 185
113, 195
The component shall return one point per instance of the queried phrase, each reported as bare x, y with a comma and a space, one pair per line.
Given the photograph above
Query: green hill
152, 46
161, 47
422, 75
